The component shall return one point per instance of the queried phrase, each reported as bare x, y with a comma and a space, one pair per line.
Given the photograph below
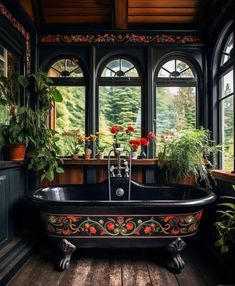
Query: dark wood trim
38, 13
121, 14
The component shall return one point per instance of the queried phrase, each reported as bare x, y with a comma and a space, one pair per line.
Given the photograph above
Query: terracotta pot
74, 156
189, 180
15, 152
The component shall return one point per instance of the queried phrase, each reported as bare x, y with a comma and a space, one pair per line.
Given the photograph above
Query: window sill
223, 175
95, 162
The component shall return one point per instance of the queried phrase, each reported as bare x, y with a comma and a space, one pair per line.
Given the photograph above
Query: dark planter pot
15, 152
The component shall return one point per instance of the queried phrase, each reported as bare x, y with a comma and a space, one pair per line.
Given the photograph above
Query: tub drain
119, 192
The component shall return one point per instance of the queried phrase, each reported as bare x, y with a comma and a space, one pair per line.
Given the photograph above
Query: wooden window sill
223, 175
95, 162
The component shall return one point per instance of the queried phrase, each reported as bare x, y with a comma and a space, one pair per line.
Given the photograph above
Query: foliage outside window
9, 64
226, 104
119, 98
68, 115
176, 89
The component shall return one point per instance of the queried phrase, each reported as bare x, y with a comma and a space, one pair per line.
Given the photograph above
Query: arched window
225, 83
176, 90
68, 76
119, 95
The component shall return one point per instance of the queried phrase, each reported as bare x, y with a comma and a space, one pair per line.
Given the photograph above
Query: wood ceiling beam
163, 3
162, 11
38, 13
120, 14
162, 19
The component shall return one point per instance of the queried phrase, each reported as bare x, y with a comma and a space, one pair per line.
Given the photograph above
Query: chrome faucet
120, 172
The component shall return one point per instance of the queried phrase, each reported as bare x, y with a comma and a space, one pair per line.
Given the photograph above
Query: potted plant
76, 142
14, 135
225, 223
186, 154
26, 125
100, 145
134, 145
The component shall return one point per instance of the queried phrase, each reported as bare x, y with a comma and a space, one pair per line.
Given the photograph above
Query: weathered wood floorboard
138, 267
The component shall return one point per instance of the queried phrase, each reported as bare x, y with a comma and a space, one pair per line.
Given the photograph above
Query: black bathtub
82, 216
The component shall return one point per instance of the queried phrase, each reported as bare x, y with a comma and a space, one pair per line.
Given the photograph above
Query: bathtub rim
209, 198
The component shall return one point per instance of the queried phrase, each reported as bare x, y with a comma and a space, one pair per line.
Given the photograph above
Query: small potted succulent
77, 142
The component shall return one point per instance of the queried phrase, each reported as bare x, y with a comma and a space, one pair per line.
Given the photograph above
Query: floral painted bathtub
81, 216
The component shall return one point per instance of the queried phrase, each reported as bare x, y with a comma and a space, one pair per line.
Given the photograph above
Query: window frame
221, 71
67, 82
122, 82
177, 82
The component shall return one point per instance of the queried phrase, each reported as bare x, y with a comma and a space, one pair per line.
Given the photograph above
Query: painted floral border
129, 38
169, 225
5, 12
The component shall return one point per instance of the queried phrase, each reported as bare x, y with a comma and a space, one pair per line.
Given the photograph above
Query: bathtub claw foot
68, 249
175, 248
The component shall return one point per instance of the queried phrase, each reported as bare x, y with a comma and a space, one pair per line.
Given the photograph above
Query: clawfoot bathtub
82, 216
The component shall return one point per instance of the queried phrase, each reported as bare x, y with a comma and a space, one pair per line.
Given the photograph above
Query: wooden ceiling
113, 14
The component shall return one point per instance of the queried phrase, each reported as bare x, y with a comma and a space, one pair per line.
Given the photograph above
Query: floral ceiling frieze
129, 38
20, 28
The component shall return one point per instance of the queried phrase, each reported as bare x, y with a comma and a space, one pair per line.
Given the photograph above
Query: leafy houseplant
186, 153
14, 135
76, 142
27, 126
225, 224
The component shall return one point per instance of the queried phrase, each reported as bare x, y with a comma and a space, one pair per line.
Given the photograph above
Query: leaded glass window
68, 115
120, 90
176, 92
226, 103
120, 68
66, 68
227, 50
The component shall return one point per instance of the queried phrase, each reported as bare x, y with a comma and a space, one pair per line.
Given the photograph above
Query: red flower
135, 143
152, 136
130, 129
144, 141
87, 225
148, 230
167, 218
175, 231
120, 219
199, 216
129, 226
66, 231
110, 226
92, 230
114, 129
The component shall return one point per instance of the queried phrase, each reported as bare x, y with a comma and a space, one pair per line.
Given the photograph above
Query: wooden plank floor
120, 267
